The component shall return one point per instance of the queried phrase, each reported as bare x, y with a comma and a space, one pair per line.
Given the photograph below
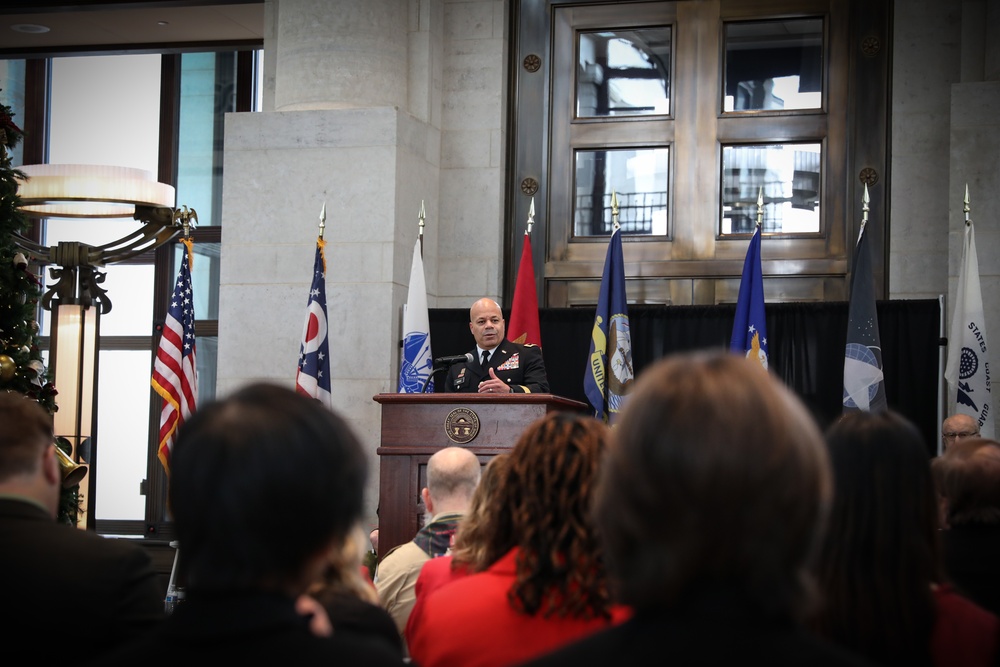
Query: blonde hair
342, 574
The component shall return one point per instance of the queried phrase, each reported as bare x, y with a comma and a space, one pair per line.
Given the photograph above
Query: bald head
486, 323
452, 476
956, 427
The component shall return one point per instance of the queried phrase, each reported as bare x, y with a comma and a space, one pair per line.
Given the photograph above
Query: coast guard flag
175, 374
416, 365
864, 385
749, 327
609, 375
968, 367
523, 327
313, 376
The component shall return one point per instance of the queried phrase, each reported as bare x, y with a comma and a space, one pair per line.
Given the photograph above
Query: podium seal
461, 425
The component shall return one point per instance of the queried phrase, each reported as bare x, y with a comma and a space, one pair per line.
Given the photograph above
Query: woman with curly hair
468, 553
543, 582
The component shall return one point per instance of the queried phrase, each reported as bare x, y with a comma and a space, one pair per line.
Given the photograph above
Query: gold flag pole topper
531, 216
965, 206
760, 207
614, 211
421, 221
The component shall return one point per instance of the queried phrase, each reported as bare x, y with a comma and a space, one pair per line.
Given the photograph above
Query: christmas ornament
20, 261
7, 368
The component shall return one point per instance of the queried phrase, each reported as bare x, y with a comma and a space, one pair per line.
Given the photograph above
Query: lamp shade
90, 191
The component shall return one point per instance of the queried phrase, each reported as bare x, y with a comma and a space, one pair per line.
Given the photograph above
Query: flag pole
420, 226
531, 217
965, 207
864, 211
322, 221
760, 207
614, 211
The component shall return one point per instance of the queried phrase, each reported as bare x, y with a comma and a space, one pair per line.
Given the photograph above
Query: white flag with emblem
968, 368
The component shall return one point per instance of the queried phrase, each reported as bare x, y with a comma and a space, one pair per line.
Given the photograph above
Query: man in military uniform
499, 366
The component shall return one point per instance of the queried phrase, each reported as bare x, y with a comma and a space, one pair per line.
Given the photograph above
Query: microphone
457, 359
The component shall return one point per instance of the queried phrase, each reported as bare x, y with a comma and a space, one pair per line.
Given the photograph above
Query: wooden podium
414, 426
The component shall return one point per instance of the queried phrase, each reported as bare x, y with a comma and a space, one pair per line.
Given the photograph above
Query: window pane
115, 123
12, 94
129, 286
123, 422
790, 177
204, 278
207, 365
208, 91
623, 72
774, 65
639, 179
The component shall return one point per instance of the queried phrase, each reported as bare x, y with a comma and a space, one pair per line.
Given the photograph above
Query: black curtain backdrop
805, 341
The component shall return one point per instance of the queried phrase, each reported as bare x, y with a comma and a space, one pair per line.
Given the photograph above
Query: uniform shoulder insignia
530, 345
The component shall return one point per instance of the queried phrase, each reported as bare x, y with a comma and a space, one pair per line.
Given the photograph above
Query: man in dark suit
55, 578
498, 366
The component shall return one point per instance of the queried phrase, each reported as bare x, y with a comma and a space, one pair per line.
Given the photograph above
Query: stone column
334, 54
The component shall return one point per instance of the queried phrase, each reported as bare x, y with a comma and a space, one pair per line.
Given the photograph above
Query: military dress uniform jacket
520, 366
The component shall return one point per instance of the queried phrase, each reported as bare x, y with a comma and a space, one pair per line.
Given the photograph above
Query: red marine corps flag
523, 326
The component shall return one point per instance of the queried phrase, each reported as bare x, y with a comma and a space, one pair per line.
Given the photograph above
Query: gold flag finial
420, 219
614, 211
322, 220
531, 216
185, 216
864, 212
760, 206
966, 207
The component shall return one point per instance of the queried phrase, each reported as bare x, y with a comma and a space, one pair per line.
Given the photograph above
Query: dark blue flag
864, 385
609, 366
749, 327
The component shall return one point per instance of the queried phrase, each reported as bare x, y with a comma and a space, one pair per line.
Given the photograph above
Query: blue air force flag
968, 367
416, 364
609, 366
864, 386
749, 327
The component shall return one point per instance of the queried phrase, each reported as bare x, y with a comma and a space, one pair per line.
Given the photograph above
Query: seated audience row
714, 524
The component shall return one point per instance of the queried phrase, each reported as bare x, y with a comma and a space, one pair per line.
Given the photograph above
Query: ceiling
109, 26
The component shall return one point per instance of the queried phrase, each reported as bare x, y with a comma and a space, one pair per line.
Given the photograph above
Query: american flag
313, 376
175, 375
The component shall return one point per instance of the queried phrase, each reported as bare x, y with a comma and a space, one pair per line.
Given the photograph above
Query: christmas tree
21, 367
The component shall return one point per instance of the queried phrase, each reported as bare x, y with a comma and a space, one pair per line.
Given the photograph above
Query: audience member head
452, 476
717, 481
264, 485
958, 427
543, 507
342, 574
28, 463
968, 480
472, 536
880, 556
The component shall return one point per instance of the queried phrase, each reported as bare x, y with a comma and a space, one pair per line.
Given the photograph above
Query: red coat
964, 633
433, 575
470, 623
